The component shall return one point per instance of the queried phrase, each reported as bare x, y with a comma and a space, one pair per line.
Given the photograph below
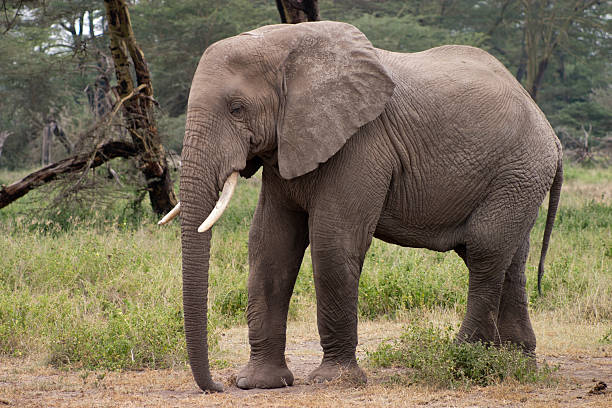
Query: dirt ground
29, 383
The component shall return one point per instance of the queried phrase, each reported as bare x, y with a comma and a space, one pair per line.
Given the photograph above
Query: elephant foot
330, 371
263, 376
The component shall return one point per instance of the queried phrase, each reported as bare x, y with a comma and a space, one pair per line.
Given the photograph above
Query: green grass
396, 279
85, 299
97, 284
434, 359
587, 174
607, 337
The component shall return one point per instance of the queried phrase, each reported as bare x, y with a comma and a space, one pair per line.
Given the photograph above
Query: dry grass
27, 383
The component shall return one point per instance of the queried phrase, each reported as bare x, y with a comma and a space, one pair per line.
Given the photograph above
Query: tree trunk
101, 155
139, 109
546, 25
298, 11
99, 94
3, 136
522, 65
537, 82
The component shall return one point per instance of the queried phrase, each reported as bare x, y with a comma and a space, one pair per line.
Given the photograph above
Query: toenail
242, 383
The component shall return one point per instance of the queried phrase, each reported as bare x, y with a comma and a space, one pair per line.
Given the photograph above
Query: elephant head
286, 95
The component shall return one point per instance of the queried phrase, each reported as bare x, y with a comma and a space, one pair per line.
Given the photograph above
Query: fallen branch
101, 155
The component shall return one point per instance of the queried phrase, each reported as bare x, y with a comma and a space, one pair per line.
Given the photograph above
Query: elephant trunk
199, 192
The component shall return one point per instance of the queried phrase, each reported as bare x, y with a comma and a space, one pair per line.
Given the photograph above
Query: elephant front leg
337, 259
277, 241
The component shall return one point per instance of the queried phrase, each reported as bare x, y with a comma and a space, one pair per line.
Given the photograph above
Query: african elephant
440, 149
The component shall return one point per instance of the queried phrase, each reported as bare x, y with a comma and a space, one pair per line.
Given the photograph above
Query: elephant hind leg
513, 319
495, 233
486, 276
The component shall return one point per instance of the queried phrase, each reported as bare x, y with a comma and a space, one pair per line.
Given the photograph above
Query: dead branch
73, 164
10, 22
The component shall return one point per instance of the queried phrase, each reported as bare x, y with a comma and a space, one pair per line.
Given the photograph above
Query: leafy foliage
435, 359
50, 53
46, 61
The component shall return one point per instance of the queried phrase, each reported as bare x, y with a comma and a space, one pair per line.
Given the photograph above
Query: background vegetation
52, 53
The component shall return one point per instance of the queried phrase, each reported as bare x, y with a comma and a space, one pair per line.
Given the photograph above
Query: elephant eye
236, 108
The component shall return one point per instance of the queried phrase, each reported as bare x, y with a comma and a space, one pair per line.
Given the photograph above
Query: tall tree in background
135, 99
559, 50
298, 11
546, 26
3, 136
138, 108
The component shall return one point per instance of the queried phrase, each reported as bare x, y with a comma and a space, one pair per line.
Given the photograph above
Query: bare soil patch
25, 383
29, 383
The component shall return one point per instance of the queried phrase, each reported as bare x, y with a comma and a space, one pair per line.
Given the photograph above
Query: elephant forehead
234, 52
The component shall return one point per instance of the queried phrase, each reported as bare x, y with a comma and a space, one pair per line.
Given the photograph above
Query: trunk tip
212, 387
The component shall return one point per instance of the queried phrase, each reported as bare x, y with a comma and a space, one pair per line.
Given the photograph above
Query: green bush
433, 358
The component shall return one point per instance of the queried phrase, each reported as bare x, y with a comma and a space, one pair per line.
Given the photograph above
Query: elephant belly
441, 238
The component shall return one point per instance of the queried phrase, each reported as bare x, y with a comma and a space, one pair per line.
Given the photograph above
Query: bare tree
99, 94
298, 11
138, 108
51, 129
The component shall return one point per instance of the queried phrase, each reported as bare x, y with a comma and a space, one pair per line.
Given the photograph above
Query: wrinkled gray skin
441, 149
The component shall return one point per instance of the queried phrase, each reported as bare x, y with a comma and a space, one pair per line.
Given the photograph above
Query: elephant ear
333, 84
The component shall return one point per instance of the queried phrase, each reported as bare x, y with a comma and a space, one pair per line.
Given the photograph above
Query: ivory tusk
171, 215
224, 199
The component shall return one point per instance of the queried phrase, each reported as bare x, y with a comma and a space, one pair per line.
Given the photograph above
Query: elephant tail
553, 204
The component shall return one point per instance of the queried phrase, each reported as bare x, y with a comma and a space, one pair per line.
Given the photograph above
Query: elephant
440, 149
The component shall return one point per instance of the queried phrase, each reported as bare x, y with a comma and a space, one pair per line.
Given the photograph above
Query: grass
395, 279
80, 297
436, 360
97, 284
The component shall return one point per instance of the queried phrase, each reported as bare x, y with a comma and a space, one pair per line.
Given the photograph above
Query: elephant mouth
226, 195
